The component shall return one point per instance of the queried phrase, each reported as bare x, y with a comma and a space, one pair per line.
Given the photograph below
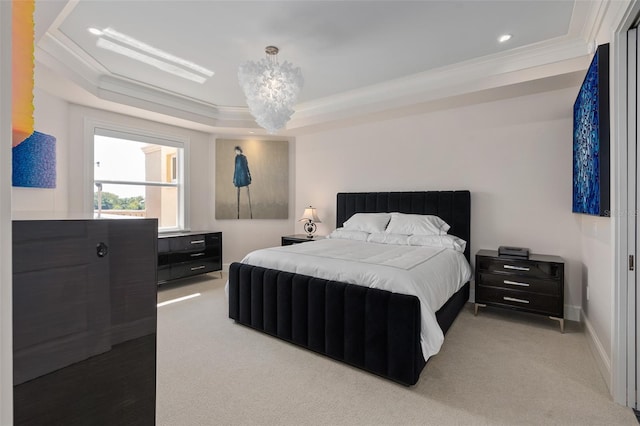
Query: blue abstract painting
591, 139
34, 162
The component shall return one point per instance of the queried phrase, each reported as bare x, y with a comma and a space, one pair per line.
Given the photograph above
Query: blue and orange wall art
34, 153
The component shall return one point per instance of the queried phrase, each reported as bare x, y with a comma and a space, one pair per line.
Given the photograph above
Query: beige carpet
497, 368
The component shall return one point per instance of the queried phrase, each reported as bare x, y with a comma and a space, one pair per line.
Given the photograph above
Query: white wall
596, 240
67, 122
514, 155
597, 237
199, 145
51, 116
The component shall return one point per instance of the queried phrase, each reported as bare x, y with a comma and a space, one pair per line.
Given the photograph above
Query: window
138, 176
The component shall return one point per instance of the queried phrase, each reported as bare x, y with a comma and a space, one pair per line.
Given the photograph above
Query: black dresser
185, 254
534, 285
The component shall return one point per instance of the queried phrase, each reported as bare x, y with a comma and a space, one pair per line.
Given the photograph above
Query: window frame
114, 130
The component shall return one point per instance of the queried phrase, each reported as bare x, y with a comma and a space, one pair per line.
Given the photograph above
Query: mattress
431, 274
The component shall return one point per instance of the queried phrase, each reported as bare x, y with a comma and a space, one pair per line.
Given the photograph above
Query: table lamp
311, 218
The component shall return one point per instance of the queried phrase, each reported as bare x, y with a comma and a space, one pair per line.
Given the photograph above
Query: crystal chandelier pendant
271, 89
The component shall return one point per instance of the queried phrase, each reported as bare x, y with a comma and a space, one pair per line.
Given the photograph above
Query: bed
373, 329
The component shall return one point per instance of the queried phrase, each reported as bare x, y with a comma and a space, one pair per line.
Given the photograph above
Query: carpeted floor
499, 368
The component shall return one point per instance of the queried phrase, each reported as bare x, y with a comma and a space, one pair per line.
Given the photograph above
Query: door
633, 299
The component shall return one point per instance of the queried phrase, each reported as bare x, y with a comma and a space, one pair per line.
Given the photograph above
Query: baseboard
225, 268
572, 313
602, 360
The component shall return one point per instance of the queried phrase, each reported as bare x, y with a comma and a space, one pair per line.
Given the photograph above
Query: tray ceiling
343, 47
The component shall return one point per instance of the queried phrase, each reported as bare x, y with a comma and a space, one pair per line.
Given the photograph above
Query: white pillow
418, 224
346, 234
446, 241
387, 238
368, 222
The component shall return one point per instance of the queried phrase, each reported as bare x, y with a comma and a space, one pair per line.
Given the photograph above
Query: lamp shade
310, 215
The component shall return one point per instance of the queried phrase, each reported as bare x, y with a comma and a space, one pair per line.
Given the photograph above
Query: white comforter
431, 274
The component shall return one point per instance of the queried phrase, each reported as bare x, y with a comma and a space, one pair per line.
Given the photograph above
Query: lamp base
310, 228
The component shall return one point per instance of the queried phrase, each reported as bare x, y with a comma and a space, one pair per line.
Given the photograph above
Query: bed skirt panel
372, 329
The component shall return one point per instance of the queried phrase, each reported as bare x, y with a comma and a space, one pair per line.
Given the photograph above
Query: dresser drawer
163, 245
521, 283
193, 268
191, 242
164, 273
545, 270
187, 256
532, 302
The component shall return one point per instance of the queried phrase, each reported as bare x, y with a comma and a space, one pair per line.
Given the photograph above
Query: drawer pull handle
517, 268
516, 283
195, 268
197, 242
197, 254
513, 299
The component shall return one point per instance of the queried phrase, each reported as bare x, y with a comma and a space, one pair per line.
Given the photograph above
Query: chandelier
271, 89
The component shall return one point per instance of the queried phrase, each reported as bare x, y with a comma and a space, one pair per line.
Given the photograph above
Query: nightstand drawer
539, 303
546, 270
521, 283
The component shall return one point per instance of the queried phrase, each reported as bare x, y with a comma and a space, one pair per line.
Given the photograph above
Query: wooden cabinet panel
60, 297
84, 318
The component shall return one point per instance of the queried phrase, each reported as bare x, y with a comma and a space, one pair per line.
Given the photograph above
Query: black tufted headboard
454, 207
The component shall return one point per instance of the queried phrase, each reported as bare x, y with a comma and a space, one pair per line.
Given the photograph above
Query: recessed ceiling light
504, 37
95, 31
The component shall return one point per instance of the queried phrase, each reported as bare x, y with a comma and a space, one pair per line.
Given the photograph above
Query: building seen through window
135, 178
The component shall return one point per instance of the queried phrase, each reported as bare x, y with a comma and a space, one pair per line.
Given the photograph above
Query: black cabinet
84, 322
534, 285
186, 254
288, 240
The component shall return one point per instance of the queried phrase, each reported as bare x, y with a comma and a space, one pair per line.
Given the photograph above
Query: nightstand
288, 240
534, 285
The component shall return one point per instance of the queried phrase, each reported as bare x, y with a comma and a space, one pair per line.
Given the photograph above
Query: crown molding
602, 18
555, 57
587, 18
133, 93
